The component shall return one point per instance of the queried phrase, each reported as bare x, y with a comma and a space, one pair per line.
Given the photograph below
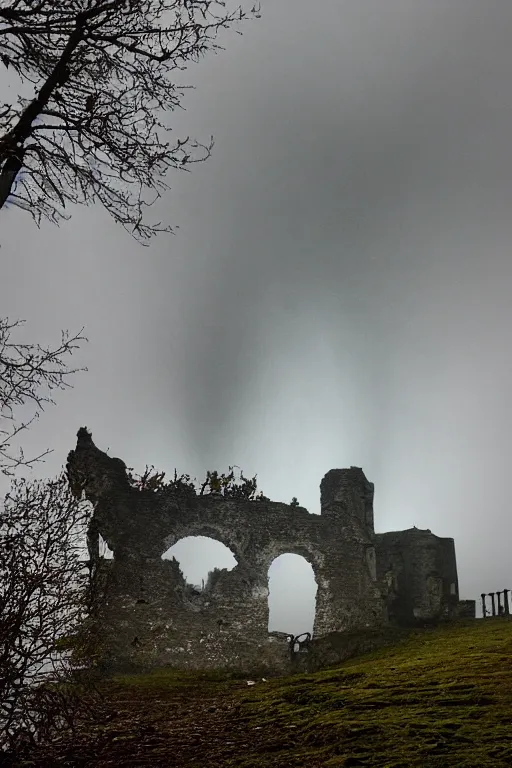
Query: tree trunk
10, 170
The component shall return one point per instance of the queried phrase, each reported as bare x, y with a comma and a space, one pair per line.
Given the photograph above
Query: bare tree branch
28, 374
43, 602
103, 76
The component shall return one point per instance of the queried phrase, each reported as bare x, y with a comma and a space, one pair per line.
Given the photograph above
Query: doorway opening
292, 595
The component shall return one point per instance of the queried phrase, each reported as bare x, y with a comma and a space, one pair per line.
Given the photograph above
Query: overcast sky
338, 292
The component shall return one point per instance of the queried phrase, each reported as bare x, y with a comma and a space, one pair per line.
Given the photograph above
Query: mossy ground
443, 698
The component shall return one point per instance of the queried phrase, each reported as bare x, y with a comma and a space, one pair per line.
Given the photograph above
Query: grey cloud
338, 291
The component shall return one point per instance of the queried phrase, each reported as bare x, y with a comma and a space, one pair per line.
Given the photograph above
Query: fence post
505, 601
493, 604
484, 609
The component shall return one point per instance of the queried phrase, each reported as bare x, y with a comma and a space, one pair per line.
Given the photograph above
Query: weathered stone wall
420, 573
334, 648
466, 609
152, 616
149, 615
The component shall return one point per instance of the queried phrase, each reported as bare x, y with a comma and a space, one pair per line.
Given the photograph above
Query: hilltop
441, 698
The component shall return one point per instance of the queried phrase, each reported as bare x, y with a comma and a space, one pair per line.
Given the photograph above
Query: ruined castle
150, 616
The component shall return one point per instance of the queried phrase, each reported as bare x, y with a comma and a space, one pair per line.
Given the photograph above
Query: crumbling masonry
150, 616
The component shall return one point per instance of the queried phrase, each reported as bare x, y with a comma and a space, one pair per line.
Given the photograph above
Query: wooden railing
499, 603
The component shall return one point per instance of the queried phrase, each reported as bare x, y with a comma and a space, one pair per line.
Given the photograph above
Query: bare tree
94, 128
43, 602
28, 373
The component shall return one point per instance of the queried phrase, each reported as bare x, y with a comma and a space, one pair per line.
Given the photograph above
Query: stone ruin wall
419, 572
149, 615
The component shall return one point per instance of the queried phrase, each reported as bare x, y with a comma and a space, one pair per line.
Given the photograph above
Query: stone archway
195, 529
292, 590
200, 556
147, 597
315, 559
104, 550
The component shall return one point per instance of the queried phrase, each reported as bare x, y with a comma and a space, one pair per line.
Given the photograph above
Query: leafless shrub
43, 607
102, 74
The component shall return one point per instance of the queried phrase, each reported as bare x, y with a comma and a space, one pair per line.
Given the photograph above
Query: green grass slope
442, 698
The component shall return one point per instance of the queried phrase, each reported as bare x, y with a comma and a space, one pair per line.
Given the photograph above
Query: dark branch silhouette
28, 374
43, 603
105, 75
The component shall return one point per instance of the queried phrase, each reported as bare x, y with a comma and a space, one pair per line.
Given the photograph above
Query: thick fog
338, 290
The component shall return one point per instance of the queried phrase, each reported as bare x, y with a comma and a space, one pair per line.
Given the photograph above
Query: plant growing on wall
152, 480
226, 484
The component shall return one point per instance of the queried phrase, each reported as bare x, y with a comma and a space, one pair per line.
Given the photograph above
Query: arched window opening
292, 595
104, 549
200, 556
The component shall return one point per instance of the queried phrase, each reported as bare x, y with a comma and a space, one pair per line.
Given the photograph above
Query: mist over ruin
338, 291
148, 613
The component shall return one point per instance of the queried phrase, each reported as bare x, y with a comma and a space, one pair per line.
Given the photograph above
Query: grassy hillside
443, 698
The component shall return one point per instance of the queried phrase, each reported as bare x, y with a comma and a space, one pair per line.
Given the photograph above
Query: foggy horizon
337, 293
